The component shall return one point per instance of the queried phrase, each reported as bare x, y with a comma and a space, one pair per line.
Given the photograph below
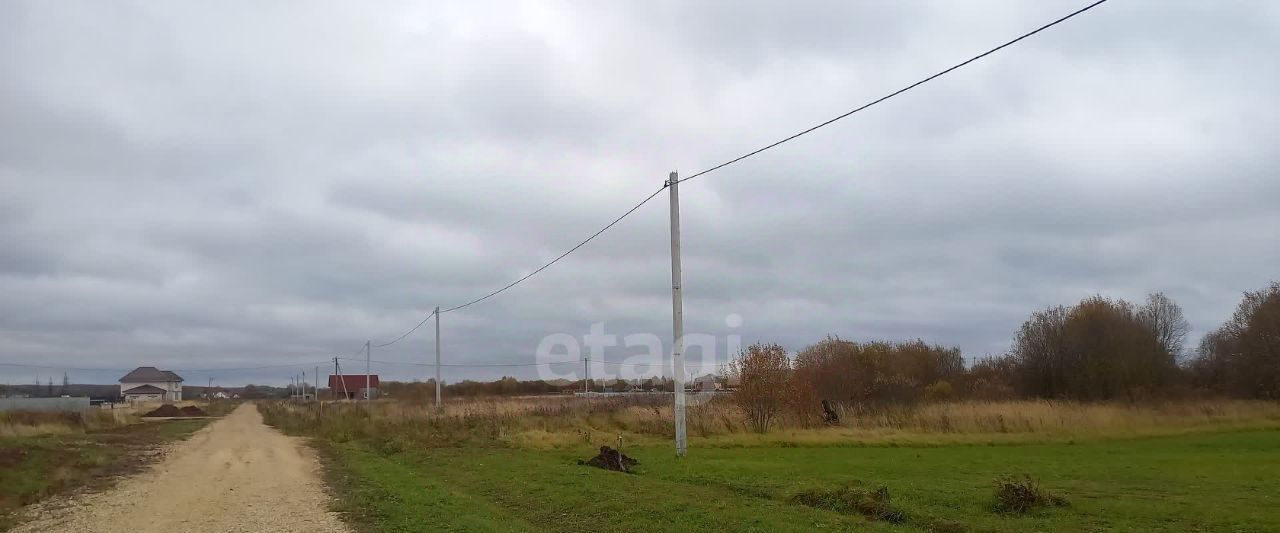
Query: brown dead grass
565, 422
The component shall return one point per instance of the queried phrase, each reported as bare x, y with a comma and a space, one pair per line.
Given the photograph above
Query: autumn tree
1243, 356
763, 373
1100, 349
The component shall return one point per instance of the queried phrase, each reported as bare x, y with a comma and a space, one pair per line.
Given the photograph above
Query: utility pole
677, 315
438, 385
367, 396
316, 388
586, 374
303, 382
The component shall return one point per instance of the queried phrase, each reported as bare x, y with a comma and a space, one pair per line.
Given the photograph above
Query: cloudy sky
217, 185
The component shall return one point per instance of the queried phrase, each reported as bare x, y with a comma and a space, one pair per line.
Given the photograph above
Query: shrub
939, 391
1019, 495
764, 376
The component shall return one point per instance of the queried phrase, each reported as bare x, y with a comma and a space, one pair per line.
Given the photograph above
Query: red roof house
352, 386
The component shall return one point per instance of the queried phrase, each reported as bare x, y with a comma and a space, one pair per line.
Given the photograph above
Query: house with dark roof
148, 383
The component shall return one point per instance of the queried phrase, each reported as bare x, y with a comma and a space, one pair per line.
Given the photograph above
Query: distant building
707, 383
352, 387
148, 383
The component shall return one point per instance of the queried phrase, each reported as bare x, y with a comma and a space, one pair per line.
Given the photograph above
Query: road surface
236, 475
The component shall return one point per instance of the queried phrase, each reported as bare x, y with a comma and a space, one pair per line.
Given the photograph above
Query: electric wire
893, 94
406, 334
561, 256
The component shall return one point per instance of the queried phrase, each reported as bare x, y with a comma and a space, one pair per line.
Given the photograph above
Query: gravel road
236, 475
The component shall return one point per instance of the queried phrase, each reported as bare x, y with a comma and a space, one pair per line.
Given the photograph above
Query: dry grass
35, 423
567, 422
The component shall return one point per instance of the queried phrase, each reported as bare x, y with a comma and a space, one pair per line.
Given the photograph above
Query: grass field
1218, 471
1206, 482
34, 468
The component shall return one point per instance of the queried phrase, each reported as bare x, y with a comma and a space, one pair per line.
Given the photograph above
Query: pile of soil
165, 410
611, 459
192, 410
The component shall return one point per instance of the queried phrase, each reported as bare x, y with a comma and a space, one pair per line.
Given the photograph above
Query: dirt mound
167, 409
192, 410
611, 459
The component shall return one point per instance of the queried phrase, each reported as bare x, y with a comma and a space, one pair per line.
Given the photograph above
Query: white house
148, 383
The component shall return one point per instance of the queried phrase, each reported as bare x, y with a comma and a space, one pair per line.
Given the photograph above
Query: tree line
1100, 349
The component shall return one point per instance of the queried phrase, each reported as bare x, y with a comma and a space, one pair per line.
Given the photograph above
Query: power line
475, 365
893, 94
290, 365
406, 334
502, 365
192, 370
557, 259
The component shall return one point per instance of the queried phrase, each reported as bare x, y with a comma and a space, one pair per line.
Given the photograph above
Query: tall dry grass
560, 422
35, 423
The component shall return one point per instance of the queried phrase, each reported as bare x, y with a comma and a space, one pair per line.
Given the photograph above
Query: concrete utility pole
367, 396
677, 315
316, 388
438, 385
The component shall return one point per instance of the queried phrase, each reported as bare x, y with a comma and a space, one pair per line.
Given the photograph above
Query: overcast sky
197, 185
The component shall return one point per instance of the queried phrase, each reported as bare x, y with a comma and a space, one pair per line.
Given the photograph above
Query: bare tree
1099, 349
1243, 356
763, 372
1165, 318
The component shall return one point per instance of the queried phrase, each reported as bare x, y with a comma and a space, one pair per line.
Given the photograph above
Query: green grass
1203, 482
34, 468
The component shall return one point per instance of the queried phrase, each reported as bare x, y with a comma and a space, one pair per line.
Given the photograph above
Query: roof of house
145, 389
352, 383
149, 374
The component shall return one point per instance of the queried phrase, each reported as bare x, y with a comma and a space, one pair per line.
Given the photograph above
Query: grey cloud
201, 186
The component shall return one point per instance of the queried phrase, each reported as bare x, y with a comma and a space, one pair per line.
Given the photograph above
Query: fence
79, 405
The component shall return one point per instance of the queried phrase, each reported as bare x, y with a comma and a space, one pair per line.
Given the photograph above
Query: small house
354, 387
148, 383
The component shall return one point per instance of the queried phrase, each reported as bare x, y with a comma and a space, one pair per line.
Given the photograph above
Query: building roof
145, 389
149, 374
352, 383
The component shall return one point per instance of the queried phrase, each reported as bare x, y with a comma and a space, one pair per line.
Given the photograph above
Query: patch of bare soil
236, 474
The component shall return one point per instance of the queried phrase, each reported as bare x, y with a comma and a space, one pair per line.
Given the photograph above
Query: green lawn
1206, 482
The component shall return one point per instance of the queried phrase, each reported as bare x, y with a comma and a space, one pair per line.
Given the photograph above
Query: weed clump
873, 504
1016, 495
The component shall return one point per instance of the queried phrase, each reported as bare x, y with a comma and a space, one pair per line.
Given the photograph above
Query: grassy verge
1206, 482
34, 468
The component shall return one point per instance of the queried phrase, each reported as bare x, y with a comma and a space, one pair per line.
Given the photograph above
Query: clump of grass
873, 504
946, 526
1016, 495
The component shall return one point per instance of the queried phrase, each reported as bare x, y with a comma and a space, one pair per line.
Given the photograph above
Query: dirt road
237, 475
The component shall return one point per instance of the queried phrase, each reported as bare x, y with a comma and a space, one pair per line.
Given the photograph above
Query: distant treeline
1098, 349
509, 386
